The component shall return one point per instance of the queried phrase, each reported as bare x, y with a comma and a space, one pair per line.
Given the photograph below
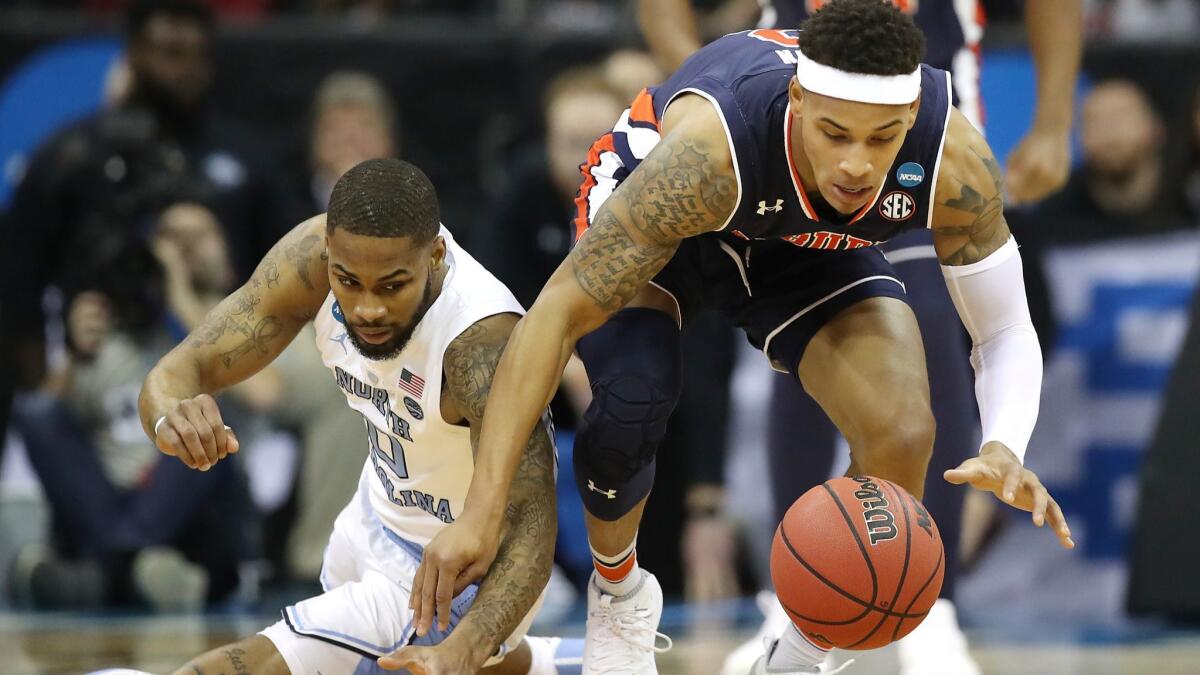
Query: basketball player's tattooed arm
969, 226
686, 186
236, 339
968, 216
512, 581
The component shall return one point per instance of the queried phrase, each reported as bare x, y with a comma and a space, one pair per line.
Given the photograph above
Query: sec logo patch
897, 206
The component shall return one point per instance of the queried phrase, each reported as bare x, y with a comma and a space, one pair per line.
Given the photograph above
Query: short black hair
871, 37
385, 198
141, 12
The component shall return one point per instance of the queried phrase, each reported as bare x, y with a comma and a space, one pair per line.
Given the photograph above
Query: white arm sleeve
990, 298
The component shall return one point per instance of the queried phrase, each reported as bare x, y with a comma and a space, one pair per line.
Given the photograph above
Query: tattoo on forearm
526, 553
235, 661
611, 267
678, 191
987, 216
259, 340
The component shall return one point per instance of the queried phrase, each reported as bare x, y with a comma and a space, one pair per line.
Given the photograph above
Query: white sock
617, 574
794, 652
542, 659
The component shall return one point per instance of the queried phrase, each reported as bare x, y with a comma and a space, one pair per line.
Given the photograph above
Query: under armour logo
611, 494
763, 208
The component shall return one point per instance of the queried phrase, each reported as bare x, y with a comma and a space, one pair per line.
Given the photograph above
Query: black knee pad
634, 368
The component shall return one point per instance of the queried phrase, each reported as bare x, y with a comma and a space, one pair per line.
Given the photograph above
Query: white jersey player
411, 328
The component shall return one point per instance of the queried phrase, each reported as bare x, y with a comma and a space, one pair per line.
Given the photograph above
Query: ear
913, 108
439, 252
795, 95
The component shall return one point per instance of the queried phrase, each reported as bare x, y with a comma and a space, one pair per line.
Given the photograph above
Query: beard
401, 334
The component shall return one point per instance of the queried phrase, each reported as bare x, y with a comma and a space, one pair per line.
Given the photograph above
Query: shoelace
622, 624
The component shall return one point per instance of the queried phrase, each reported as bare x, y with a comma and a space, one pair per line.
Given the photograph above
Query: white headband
885, 89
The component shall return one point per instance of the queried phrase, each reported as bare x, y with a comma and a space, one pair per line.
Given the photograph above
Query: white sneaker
937, 646
622, 632
760, 666
775, 620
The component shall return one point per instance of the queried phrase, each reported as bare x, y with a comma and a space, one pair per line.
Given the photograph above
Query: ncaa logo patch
414, 408
910, 174
897, 206
337, 313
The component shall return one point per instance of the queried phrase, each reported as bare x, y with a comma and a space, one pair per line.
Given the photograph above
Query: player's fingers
418, 581
470, 575
188, 437
212, 415
1012, 481
204, 432
1041, 501
425, 606
445, 596
169, 443
1059, 522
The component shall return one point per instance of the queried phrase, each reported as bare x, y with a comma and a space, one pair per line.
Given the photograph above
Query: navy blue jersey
746, 76
949, 25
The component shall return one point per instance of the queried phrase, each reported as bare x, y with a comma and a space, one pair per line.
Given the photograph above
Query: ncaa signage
897, 206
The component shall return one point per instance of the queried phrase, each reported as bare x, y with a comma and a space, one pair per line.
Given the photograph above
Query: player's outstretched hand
459, 555
194, 432
998, 471
1038, 166
443, 659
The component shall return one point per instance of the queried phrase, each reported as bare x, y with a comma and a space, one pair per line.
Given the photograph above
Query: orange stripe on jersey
642, 109
602, 145
618, 573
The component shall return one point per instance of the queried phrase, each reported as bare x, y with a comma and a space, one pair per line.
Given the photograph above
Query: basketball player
759, 180
412, 328
1037, 167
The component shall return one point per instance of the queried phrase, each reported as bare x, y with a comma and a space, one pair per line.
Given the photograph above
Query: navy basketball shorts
778, 293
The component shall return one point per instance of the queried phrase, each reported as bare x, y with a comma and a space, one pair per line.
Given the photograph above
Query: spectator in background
353, 120
162, 129
129, 525
526, 232
1121, 187
1143, 19
1191, 187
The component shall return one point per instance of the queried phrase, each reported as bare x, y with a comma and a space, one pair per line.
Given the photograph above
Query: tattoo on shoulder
470, 363
299, 254
986, 210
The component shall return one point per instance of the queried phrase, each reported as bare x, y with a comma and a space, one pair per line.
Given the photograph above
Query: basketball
857, 563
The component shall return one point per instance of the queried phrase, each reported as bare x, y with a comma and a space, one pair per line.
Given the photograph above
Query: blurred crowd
129, 224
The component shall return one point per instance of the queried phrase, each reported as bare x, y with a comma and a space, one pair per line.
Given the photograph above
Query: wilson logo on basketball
897, 206
881, 524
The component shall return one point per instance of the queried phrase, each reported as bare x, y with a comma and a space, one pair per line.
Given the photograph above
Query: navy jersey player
758, 180
1037, 167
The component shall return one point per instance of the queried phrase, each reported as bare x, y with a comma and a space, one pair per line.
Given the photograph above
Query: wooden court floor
49, 644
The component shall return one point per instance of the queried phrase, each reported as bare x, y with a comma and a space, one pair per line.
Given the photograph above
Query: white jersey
422, 466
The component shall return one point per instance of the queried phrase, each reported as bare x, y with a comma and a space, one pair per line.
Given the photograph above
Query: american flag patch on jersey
413, 384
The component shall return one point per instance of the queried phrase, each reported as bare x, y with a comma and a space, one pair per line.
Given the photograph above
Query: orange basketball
857, 563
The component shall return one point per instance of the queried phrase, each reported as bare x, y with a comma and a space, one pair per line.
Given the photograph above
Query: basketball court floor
58, 644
